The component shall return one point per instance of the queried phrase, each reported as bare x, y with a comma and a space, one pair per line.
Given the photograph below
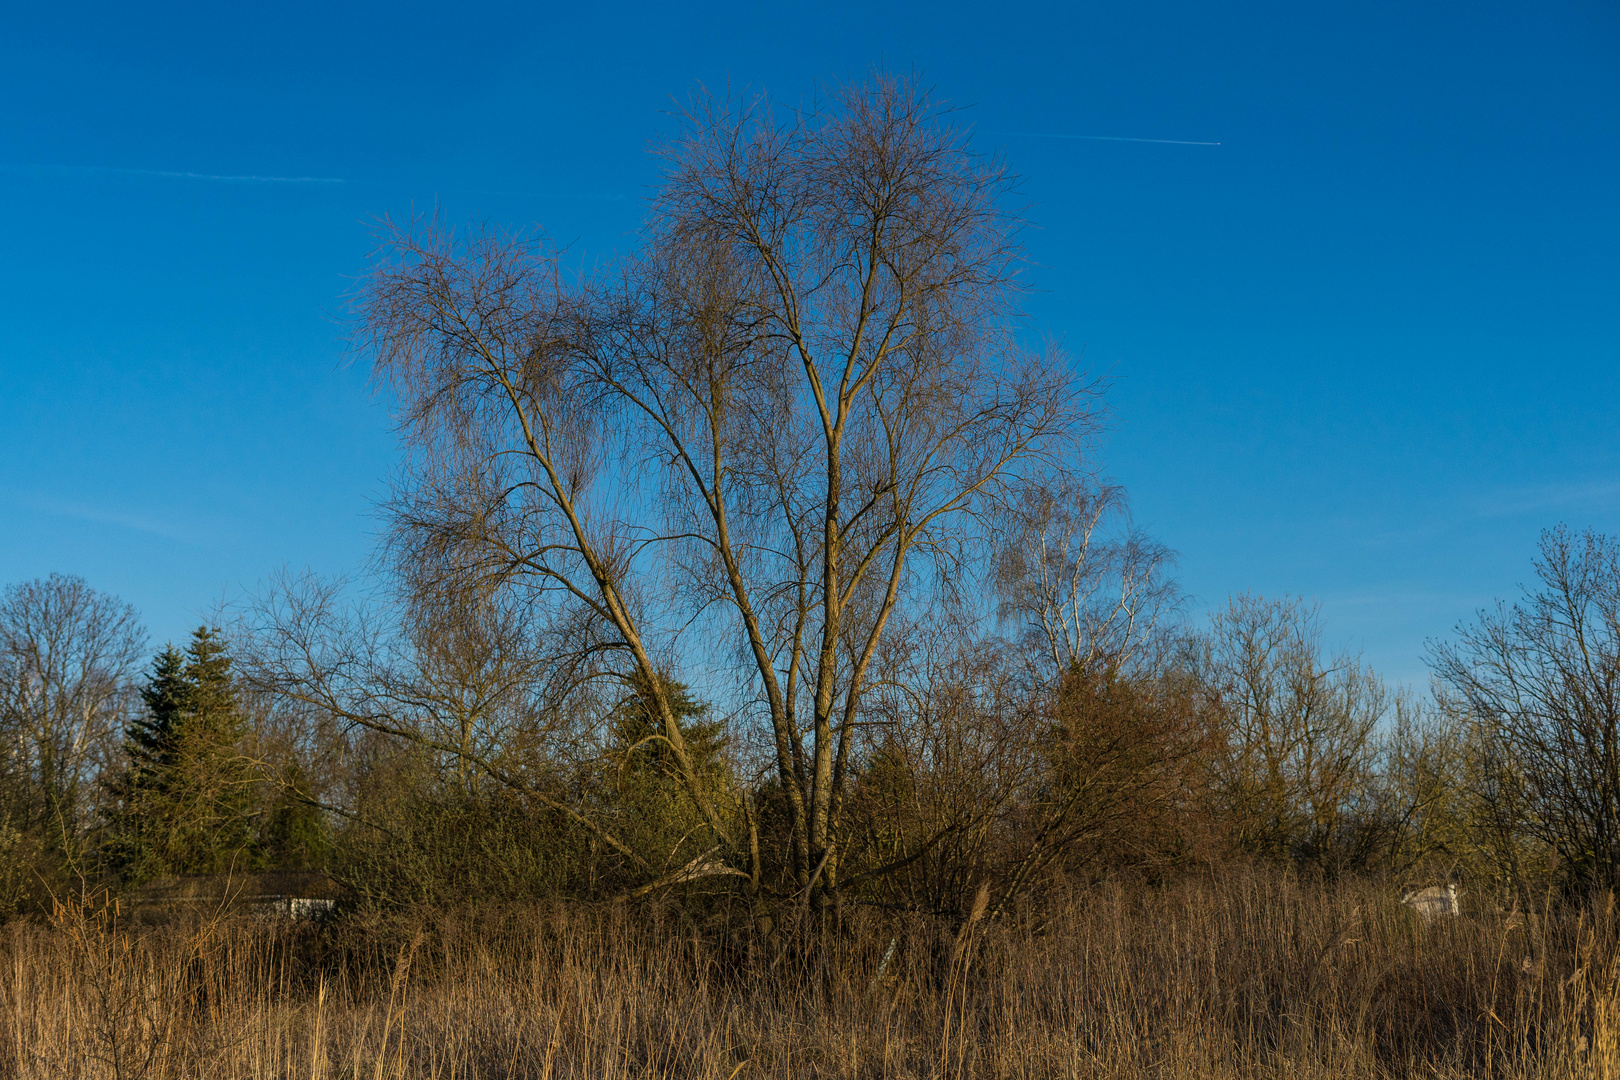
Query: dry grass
1246, 977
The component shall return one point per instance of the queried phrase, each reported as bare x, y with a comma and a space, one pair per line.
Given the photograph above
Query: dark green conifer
185, 801
637, 721
295, 835
149, 743
644, 787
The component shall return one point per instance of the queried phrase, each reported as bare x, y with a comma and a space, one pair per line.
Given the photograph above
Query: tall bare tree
776, 424
67, 657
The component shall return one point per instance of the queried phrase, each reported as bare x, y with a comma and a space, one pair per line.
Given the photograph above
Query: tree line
420, 764
771, 563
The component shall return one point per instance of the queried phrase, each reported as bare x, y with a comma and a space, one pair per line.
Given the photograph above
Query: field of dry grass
1242, 977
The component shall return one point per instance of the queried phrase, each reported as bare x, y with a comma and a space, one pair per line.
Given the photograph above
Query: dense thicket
1238, 741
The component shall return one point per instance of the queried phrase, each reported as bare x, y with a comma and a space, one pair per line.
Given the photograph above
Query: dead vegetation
1246, 975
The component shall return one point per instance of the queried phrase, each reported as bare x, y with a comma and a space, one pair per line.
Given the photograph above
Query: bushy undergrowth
1244, 975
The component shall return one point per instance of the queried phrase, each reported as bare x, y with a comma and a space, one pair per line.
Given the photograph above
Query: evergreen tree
185, 801
636, 722
643, 784
294, 835
149, 745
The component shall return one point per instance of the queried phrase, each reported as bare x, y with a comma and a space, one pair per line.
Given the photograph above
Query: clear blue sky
1365, 348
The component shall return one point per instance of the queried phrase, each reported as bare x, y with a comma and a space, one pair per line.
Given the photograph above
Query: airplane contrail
1108, 138
256, 179
177, 175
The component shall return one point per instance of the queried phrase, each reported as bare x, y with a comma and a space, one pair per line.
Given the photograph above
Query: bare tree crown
779, 421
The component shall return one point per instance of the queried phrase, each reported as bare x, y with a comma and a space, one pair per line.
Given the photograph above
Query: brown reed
1250, 975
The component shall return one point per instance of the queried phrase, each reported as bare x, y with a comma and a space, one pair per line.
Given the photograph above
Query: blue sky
1363, 350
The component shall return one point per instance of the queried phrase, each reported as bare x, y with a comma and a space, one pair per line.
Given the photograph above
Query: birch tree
67, 657
779, 422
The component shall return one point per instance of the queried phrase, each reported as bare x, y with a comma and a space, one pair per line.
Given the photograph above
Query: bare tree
460, 680
777, 424
67, 656
1297, 731
1430, 773
1542, 679
1085, 594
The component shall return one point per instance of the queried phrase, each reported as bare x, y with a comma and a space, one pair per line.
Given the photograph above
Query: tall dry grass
1244, 977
